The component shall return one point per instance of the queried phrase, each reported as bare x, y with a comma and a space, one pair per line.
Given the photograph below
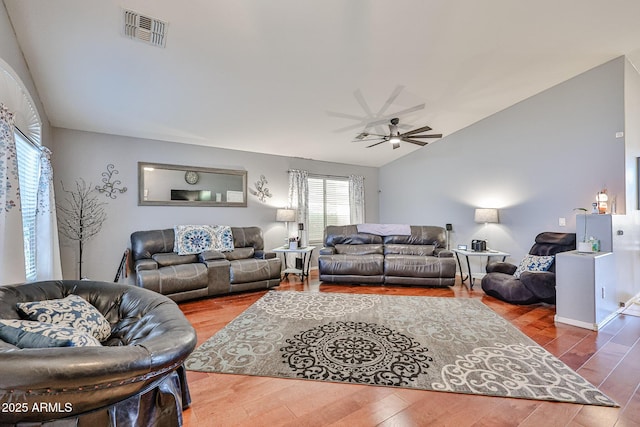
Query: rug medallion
429, 343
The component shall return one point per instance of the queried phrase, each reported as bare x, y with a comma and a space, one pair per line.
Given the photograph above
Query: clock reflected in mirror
191, 177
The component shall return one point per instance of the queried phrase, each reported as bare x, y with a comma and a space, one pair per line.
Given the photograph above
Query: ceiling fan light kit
395, 137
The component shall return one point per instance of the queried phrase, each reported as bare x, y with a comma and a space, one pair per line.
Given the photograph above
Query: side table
306, 260
488, 253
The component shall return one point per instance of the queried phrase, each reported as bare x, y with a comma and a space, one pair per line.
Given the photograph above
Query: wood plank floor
609, 359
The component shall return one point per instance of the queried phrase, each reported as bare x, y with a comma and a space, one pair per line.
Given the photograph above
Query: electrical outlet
562, 222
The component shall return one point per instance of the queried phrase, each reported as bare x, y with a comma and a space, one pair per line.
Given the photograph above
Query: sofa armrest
210, 256
260, 254
146, 264
501, 267
218, 276
442, 253
328, 251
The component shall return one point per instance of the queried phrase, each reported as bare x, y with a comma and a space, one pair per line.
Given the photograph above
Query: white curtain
12, 267
48, 264
356, 199
299, 199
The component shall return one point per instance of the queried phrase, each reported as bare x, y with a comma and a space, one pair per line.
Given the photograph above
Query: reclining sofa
182, 277
417, 258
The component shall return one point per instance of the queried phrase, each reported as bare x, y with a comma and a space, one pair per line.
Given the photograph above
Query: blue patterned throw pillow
72, 312
533, 263
224, 238
195, 239
32, 334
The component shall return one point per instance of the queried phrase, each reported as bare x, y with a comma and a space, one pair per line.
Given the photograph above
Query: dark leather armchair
531, 287
135, 378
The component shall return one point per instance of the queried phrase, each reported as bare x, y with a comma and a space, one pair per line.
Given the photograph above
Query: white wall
536, 161
86, 155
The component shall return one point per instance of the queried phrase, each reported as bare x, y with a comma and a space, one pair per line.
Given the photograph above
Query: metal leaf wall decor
261, 191
110, 187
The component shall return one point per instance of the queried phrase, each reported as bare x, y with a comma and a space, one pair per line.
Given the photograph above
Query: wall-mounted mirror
174, 185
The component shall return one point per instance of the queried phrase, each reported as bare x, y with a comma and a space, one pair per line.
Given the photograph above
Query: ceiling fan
395, 137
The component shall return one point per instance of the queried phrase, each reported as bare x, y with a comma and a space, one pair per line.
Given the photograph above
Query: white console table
585, 289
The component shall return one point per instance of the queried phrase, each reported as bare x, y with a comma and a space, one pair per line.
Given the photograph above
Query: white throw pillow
72, 311
534, 263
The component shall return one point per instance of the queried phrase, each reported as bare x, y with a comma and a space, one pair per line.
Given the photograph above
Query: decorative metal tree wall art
82, 216
110, 188
261, 191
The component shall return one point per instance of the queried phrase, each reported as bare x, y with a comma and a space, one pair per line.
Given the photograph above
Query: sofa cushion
175, 278
533, 263
357, 265
240, 253
417, 266
72, 311
33, 334
167, 259
418, 250
253, 270
366, 249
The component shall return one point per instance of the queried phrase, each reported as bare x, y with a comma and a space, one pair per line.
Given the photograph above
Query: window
328, 205
28, 175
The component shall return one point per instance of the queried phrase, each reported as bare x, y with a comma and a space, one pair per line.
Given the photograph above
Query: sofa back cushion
365, 249
348, 235
239, 253
172, 258
244, 237
146, 243
419, 250
420, 235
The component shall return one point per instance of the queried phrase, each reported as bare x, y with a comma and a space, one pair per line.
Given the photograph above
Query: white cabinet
585, 289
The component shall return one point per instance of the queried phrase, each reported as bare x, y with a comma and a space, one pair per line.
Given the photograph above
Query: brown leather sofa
183, 277
416, 259
135, 378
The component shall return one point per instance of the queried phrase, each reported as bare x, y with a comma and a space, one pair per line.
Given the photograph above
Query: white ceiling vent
144, 28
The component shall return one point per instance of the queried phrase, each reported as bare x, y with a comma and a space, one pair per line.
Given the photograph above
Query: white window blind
28, 174
328, 205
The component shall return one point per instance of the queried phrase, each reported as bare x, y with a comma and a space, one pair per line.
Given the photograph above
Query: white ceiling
302, 78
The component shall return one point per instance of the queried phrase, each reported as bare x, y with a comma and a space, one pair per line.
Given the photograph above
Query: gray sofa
416, 259
182, 277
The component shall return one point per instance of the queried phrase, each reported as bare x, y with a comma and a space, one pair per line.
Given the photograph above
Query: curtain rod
327, 176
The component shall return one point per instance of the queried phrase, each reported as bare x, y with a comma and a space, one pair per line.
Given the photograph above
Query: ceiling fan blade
391, 98
435, 135
365, 107
406, 111
377, 143
419, 130
414, 141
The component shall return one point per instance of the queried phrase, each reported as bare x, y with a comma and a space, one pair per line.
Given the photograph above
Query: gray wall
536, 161
86, 155
10, 52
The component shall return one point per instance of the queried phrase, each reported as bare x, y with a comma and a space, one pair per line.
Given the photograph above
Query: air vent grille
144, 28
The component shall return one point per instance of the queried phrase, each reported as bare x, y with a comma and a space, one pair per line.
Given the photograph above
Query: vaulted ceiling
303, 78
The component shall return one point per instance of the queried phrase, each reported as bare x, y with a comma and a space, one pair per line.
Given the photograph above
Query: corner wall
536, 161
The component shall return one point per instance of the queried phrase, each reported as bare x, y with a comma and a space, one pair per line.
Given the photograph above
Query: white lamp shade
285, 215
486, 215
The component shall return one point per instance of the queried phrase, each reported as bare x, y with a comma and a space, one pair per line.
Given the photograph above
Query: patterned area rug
441, 344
